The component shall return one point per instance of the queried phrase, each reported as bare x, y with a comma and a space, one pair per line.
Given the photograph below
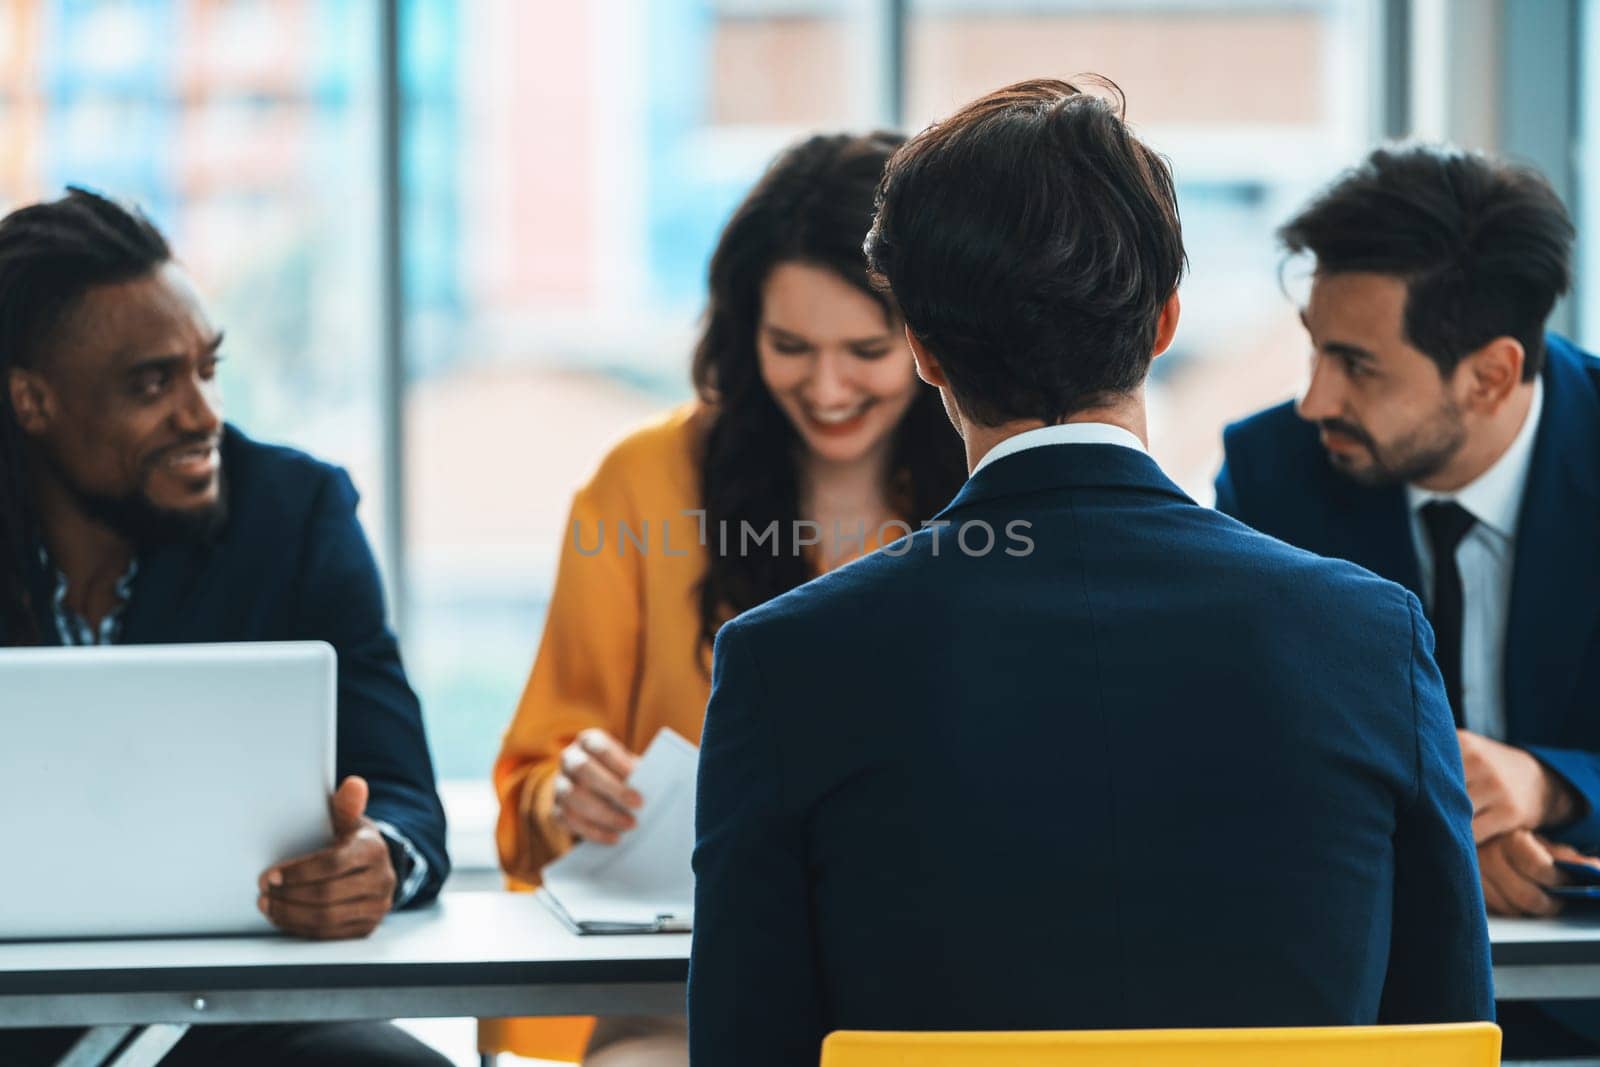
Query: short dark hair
51, 254
1483, 245
1031, 241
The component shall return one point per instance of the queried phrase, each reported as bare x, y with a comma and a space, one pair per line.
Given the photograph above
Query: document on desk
644, 883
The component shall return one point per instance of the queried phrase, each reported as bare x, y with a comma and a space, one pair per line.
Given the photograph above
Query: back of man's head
1031, 241
1484, 246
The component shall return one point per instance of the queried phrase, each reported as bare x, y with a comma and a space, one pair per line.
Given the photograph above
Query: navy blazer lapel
1060, 466
1555, 588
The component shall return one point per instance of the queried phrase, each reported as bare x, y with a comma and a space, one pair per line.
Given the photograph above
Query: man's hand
1510, 790
1517, 866
343, 890
592, 798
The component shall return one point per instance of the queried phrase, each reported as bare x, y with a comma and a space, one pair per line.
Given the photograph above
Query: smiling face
1386, 413
125, 409
833, 361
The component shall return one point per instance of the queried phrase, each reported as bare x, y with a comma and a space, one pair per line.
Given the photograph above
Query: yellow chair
1451, 1045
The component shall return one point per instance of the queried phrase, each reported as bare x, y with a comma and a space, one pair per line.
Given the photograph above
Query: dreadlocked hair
51, 254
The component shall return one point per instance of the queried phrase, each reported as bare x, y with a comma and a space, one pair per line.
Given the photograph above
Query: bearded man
131, 513
1447, 442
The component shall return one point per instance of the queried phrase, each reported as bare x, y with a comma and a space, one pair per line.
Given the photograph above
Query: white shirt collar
1067, 433
1495, 497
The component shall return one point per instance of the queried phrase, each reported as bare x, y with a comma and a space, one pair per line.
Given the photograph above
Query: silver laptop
145, 788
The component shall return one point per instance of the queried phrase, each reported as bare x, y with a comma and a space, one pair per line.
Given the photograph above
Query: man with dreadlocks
131, 513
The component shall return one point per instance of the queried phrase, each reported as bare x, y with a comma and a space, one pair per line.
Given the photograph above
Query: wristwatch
400, 859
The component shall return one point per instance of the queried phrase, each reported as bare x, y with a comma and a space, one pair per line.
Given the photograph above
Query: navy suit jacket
292, 564
1160, 770
1276, 477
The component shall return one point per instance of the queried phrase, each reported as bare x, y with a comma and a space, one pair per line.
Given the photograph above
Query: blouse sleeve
585, 673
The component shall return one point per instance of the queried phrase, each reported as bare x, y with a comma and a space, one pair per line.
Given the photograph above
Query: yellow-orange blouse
620, 639
621, 647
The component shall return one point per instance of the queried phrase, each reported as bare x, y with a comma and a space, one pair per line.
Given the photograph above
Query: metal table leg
151, 1045
94, 1046
110, 1046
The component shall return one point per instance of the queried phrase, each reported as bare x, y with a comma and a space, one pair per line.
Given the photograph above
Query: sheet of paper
647, 874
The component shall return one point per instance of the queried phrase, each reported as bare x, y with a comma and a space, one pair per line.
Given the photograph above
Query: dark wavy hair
1483, 245
1031, 240
51, 254
814, 205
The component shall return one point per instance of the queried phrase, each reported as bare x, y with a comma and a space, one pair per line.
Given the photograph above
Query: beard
147, 526
1420, 454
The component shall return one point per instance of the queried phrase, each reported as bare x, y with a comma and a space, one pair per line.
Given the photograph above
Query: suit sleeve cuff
411, 866
1581, 771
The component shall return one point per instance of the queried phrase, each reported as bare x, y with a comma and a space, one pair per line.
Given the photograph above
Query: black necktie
1447, 523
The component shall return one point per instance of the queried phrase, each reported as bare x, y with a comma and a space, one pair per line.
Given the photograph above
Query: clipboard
644, 884
661, 924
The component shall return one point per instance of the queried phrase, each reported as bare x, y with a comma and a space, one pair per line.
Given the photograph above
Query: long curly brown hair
814, 205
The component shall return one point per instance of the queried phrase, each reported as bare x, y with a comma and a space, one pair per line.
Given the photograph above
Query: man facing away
130, 513
1447, 443
1149, 769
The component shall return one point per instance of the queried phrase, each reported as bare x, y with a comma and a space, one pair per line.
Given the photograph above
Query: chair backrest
1448, 1045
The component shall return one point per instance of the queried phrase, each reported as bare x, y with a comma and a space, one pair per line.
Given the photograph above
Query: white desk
1546, 959
490, 954
472, 954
